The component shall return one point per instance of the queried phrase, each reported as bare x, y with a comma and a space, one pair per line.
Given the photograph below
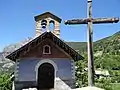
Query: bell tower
47, 22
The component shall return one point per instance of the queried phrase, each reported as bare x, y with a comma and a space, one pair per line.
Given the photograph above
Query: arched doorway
45, 76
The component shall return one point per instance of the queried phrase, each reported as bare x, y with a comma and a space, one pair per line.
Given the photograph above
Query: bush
5, 82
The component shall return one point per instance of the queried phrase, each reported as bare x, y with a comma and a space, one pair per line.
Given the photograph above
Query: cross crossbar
94, 21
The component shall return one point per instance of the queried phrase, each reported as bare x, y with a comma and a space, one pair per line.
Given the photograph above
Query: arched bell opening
43, 25
51, 25
46, 76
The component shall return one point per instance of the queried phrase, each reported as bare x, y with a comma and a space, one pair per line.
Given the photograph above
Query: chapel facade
46, 61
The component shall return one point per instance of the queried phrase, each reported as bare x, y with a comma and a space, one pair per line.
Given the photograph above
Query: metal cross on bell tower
89, 21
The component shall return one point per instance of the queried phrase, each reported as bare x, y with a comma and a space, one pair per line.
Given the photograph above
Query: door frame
46, 61
42, 79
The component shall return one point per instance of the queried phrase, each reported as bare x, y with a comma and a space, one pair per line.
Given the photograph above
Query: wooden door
46, 76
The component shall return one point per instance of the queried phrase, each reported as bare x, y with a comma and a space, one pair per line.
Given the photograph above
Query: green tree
5, 82
81, 72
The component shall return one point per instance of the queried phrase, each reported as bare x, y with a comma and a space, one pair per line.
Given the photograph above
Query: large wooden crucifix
89, 21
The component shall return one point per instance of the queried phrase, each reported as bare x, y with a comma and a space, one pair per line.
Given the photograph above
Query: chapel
46, 61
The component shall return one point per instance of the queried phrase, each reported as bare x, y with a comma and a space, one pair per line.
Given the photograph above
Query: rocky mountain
109, 45
7, 65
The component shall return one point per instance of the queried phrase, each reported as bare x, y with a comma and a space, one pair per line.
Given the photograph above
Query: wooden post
90, 46
89, 21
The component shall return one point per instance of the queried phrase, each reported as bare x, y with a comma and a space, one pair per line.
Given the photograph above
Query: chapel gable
46, 49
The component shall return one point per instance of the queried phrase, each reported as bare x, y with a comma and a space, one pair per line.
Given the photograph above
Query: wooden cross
89, 21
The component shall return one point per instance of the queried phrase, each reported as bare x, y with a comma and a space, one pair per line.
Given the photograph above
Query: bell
44, 23
43, 26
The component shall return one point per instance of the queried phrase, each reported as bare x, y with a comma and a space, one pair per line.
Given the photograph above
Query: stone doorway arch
46, 76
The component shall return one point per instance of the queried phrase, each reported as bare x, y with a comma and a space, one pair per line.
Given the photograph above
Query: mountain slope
78, 46
110, 45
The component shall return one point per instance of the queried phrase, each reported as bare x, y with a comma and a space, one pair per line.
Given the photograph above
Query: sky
17, 18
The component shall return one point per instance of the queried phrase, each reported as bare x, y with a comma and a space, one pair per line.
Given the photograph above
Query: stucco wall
28, 69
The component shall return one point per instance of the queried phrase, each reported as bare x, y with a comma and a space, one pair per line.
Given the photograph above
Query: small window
46, 49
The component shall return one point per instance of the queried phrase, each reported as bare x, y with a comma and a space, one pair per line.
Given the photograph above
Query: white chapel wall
27, 68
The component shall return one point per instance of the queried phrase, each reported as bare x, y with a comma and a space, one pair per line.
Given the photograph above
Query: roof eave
49, 14
12, 56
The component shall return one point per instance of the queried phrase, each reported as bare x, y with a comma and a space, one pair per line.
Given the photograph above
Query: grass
116, 86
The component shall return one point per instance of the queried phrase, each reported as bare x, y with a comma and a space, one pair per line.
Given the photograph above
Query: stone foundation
59, 85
